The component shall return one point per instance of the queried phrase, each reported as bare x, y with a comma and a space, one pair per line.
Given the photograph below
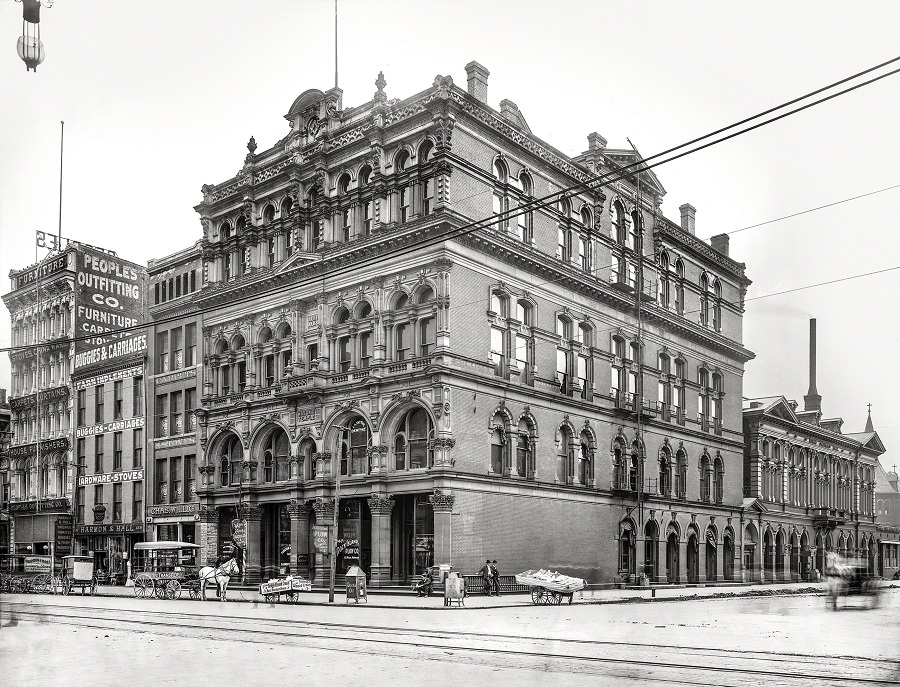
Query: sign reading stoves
109, 294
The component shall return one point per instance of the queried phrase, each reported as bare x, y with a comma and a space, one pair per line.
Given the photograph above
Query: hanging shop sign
35, 506
111, 477
108, 296
239, 532
89, 382
30, 450
62, 535
46, 396
320, 538
114, 426
37, 564
115, 528
174, 509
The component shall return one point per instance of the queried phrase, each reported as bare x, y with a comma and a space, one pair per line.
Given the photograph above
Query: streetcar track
566, 660
462, 634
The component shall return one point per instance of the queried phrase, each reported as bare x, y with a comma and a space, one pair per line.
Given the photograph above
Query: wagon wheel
293, 597
40, 584
143, 586
67, 586
172, 589
535, 595
556, 598
194, 590
271, 598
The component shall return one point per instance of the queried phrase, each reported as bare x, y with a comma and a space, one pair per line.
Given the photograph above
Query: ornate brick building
809, 487
559, 386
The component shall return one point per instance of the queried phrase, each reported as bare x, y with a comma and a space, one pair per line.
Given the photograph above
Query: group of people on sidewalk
491, 577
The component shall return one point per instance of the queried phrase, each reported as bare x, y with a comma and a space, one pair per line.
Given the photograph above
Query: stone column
661, 561
682, 561
324, 510
252, 517
381, 506
701, 562
209, 535
299, 512
442, 503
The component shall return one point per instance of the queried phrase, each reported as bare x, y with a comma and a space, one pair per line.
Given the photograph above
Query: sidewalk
378, 599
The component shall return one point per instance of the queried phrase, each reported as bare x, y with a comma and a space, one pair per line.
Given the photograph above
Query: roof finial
869, 426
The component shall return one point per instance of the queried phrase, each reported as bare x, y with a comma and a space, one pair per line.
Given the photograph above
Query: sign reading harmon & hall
109, 296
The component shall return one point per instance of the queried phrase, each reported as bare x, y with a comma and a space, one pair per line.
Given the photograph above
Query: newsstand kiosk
356, 584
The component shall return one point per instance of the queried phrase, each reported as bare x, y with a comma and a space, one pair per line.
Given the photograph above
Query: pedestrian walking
495, 577
487, 576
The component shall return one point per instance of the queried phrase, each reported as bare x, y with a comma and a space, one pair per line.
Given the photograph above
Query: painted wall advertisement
320, 538
109, 296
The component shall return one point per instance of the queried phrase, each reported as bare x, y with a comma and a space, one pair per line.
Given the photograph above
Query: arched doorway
651, 550
778, 555
751, 539
711, 555
728, 556
672, 561
795, 558
626, 549
693, 558
768, 556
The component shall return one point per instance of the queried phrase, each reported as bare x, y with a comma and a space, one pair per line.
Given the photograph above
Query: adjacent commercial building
5, 439
77, 403
175, 381
887, 520
809, 487
558, 386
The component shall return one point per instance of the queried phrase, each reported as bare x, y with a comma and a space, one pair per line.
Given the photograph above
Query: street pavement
608, 638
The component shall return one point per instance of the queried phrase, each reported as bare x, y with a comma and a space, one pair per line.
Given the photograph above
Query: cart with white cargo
284, 589
549, 588
78, 571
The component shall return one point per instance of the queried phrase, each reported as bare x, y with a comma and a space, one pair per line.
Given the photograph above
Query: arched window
618, 228
585, 462
269, 213
231, 454
717, 305
364, 310
225, 231
497, 446
276, 453
634, 469
681, 461
524, 218
353, 449
411, 449
665, 472
264, 336
565, 468
365, 176
664, 294
679, 286
307, 454
401, 301
286, 206
719, 468
342, 316
524, 457
343, 184
426, 151
400, 161
705, 478
704, 300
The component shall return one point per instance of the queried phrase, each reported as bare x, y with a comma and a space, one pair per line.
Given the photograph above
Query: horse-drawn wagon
78, 571
849, 577
163, 568
550, 588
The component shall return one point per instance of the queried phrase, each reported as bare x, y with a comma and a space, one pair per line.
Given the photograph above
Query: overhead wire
598, 181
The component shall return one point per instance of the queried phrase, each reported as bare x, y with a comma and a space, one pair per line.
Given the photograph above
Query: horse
221, 575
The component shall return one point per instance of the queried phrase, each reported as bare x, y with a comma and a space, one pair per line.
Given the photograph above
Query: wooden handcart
284, 589
550, 588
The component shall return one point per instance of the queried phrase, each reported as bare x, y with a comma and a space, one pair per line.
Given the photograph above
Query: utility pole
337, 507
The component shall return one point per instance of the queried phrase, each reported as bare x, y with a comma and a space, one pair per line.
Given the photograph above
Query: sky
161, 97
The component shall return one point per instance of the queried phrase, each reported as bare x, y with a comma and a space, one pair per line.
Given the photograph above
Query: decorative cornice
441, 502
381, 505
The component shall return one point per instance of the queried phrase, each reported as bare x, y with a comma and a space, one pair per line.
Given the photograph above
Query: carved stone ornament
99, 512
299, 509
208, 515
381, 504
441, 502
323, 507
249, 511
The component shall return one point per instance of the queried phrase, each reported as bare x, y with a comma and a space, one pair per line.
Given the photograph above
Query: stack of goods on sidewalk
549, 579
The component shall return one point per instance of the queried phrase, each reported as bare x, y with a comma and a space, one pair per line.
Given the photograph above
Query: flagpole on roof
335, 43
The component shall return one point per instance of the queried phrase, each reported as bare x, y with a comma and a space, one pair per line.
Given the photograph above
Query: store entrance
412, 529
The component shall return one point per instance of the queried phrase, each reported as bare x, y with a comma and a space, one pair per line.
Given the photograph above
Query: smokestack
812, 400
477, 77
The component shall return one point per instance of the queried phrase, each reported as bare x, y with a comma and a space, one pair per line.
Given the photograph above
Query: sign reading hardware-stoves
114, 426
111, 477
108, 296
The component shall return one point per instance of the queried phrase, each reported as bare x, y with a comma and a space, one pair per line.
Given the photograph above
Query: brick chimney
477, 76
688, 218
596, 141
812, 400
719, 243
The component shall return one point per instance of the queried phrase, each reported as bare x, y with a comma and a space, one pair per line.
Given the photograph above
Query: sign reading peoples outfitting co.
108, 296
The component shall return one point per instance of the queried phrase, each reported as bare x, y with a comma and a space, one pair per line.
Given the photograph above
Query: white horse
221, 575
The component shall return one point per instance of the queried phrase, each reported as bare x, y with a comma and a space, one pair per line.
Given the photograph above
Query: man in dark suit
487, 577
495, 577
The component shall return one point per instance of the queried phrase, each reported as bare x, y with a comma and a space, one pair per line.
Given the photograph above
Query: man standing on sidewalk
487, 576
495, 577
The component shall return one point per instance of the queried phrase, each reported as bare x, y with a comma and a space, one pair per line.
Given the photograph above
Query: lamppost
337, 506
